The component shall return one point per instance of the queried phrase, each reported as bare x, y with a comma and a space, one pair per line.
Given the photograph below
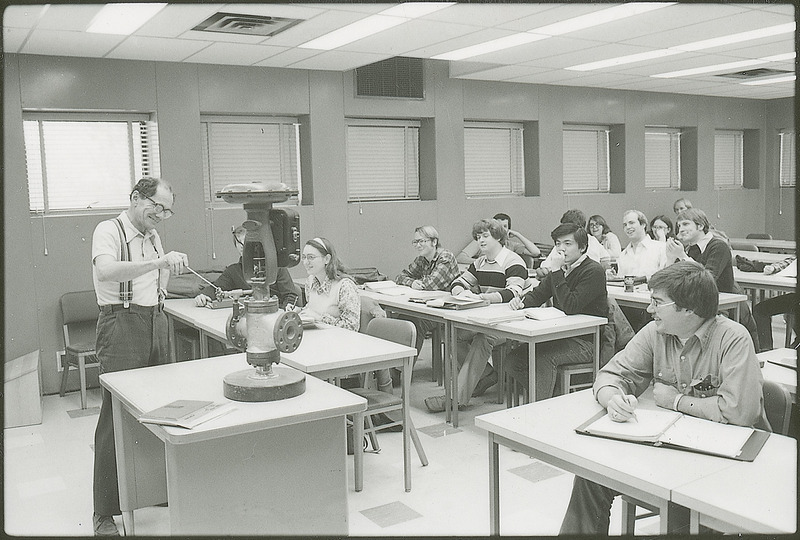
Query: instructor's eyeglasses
159, 208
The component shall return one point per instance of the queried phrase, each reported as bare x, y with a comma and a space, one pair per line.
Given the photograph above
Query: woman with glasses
434, 269
332, 296
661, 228
232, 278
598, 227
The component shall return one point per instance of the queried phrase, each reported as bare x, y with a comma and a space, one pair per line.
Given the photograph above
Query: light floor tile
390, 514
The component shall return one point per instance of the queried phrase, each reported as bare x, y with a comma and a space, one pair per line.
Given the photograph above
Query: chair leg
64, 374
417, 443
373, 439
82, 373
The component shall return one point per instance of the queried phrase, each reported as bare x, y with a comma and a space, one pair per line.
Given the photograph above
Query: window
662, 158
382, 160
244, 150
493, 159
728, 158
788, 176
87, 161
586, 166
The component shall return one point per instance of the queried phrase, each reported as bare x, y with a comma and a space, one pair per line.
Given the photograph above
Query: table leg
494, 486
454, 374
173, 353
694, 522
596, 352
407, 368
358, 450
738, 312
532, 372
448, 331
203, 344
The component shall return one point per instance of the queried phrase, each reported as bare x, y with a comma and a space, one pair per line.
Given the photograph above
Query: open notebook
672, 429
186, 413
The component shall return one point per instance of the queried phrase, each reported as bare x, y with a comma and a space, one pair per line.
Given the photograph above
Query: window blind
382, 161
585, 158
237, 152
788, 176
728, 158
86, 163
662, 159
493, 160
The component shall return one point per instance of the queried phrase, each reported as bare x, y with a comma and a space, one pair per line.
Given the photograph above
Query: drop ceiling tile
63, 43
555, 13
153, 48
358, 7
532, 53
316, 26
220, 37
480, 36
175, 19
409, 36
288, 57
66, 17
759, 48
500, 73
13, 38
486, 15
339, 61
237, 54
591, 54
22, 16
292, 11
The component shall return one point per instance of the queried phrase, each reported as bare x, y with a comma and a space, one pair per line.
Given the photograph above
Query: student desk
325, 352
779, 246
762, 256
758, 497
545, 430
210, 323
276, 467
779, 374
641, 299
760, 283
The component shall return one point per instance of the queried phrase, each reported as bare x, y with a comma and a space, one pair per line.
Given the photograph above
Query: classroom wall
365, 234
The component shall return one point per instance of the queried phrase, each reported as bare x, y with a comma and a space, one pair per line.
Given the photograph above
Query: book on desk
457, 302
186, 413
670, 429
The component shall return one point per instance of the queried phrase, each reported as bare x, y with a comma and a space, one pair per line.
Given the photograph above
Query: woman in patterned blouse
332, 295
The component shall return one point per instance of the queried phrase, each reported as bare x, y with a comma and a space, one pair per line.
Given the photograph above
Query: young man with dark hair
498, 275
702, 364
594, 251
577, 286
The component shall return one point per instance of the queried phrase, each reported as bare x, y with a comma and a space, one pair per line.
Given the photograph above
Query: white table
545, 430
276, 466
325, 352
210, 323
779, 246
762, 256
640, 298
779, 374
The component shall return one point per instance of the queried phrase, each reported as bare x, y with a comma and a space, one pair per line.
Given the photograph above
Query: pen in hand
633, 415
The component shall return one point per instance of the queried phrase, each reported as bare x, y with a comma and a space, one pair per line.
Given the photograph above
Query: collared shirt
594, 251
717, 364
505, 274
435, 275
337, 301
703, 242
143, 246
645, 259
574, 265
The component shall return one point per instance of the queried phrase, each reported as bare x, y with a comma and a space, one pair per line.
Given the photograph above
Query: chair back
778, 406
743, 246
79, 313
396, 330
759, 236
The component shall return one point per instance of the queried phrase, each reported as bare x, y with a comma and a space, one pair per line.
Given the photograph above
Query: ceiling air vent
754, 73
397, 77
249, 25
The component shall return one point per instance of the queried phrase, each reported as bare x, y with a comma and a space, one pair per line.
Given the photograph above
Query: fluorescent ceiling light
694, 46
725, 67
123, 19
490, 46
785, 78
373, 24
556, 29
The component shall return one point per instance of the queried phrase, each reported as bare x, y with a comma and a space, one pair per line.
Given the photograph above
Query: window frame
513, 169
410, 159
603, 185
673, 159
738, 157
143, 159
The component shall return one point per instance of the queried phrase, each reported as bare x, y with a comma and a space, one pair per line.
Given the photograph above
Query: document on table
463, 301
186, 413
543, 313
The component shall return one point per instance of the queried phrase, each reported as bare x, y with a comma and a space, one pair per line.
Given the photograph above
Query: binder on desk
186, 413
670, 429
457, 302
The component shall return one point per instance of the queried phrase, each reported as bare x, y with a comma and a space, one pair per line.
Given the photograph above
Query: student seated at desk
498, 275
595, 251
232, 278
578, 286
661, 228
331, 295
599, 229
434, 269
719, 378
713, 253
515, 242
781, 304
643, 256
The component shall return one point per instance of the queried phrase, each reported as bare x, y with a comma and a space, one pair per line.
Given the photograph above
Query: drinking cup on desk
628, 280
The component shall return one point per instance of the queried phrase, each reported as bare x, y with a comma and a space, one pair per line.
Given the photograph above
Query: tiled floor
48, 478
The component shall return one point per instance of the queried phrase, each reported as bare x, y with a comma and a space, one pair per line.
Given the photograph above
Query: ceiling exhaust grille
398, 77
249, 25
754, 73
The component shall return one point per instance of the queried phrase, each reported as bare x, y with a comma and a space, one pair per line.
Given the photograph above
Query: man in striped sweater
497, 275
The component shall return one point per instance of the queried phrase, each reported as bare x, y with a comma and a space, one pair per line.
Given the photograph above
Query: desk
209, 322
545, 430
324, 352
779, 374
762, 256
760, 283
758, 497
779, 246
277, 466
641, 299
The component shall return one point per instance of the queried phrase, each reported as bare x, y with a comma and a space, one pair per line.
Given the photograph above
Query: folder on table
457, 302
670, 429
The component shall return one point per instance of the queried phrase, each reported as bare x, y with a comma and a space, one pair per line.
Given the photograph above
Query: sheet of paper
648, 425
708, 436
543, 313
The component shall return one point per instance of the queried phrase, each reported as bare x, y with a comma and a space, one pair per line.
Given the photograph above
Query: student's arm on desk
469, 253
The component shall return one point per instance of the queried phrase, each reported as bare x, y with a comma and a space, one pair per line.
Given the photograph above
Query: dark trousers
764, 311
589, 510
125, 340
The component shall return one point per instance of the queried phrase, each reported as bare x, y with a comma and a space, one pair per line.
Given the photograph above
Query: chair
743, 246
79, 312
778, 408
405, 333
759, 236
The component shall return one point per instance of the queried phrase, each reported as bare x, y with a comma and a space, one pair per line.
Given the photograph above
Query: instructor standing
130, 273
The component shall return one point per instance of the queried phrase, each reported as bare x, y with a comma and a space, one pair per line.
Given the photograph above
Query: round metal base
243, 386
